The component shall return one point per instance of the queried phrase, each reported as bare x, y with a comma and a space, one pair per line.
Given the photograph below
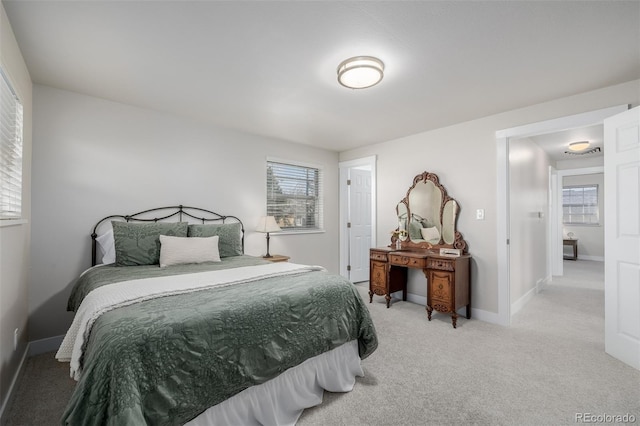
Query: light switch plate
480, 214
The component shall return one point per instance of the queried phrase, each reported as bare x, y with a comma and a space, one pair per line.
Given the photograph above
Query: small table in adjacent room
574, 245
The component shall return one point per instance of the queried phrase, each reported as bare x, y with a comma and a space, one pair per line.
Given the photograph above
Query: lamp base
266, 256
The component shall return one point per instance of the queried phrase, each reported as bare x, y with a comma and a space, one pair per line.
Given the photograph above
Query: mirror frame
459, 242
406, 219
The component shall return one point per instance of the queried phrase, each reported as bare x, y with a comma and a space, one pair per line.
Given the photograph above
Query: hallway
585, 274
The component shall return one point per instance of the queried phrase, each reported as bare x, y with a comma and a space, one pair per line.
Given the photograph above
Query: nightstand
277, 258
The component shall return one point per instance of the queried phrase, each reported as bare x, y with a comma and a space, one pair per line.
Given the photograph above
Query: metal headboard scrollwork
181, 213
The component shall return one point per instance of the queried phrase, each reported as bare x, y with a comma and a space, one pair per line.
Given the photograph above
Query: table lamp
267, 224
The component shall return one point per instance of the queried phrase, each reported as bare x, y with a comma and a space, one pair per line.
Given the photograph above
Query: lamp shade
360, 72
267, 224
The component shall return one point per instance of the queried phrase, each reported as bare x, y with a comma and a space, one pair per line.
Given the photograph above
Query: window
580, 205
10, 151
294, 195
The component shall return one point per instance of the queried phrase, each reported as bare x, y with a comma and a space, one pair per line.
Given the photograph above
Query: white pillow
431, 234
107, 245
178, 250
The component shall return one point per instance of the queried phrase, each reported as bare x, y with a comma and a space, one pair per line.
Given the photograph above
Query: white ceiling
269, 68
556, 144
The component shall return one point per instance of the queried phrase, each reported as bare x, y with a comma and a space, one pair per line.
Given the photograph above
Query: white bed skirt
281, 400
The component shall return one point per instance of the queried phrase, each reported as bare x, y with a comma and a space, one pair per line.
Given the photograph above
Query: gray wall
529, 207
590, 238
93, 157
465, 157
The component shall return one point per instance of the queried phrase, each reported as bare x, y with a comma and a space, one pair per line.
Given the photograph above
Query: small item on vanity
400, 235
450, 252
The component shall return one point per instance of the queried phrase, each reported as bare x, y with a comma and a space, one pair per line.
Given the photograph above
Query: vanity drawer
376, 255
440, 286
441, 264
378, 275
408, 261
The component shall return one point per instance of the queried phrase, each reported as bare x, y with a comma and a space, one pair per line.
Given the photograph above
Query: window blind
294, 195
580, 205
10, 151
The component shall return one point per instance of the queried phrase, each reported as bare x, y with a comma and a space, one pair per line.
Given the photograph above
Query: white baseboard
33, 348
526, 298
7, 399
596, 258
486, 316
41, 346
479, 314
414, 298
542, 283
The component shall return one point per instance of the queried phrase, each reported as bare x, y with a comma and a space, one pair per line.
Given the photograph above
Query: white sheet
281, 400
109, 297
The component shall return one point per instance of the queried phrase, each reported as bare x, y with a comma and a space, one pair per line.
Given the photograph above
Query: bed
175, 325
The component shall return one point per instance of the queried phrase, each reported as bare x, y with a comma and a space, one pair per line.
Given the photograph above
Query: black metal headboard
181, 213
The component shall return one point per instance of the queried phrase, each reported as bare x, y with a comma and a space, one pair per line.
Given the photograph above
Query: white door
622, 236
360, 224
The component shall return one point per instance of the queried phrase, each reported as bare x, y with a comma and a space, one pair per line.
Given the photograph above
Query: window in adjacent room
10, 151
580, 205
294, 195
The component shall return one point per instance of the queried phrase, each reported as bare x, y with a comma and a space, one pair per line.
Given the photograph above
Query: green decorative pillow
139, 243
230, 243
415, 232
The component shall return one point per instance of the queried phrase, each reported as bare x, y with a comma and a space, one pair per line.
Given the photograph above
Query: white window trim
19, 218
5, 223
597, 205
306, 231
319, 230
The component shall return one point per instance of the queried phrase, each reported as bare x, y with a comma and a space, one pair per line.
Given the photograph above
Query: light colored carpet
543, 370
587, 274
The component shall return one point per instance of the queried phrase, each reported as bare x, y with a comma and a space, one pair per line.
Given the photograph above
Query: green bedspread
166, 360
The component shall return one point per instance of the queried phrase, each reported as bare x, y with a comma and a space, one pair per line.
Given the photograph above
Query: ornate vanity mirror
429, 216
427, 219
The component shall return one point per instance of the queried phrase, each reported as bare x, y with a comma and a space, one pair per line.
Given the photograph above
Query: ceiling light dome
578, 146
360, 72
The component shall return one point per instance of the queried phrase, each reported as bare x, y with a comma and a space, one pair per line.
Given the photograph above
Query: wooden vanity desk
385, 278
427, 219
448, 284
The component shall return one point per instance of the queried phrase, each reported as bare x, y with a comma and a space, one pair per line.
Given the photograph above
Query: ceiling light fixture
578, 146
360, 72
593, 150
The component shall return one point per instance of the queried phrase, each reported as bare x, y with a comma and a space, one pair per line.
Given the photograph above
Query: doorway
592, 236
503, 139
357, 216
